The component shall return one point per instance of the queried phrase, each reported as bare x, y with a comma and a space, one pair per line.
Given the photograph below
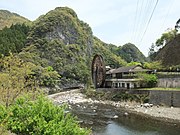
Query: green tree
48, 77
15, 79
155, 65
177, 26
152, 52
13, 39
147, 80
166, 37
133, 63
19, 77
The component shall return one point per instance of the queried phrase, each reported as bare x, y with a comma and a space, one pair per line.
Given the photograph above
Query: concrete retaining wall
176, 98
169, 82
156, 97
161, 98
169, 98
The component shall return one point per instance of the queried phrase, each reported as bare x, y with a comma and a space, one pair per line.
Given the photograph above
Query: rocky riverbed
169, 114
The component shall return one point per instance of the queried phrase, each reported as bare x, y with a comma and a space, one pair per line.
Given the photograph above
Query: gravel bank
170, 114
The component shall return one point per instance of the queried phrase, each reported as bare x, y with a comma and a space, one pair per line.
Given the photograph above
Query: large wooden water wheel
98, 71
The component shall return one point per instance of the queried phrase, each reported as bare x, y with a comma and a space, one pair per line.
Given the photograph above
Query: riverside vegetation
23, 106
54, 51
38, 117
116, 96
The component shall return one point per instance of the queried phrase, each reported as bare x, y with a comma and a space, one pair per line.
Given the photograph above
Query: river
108, 120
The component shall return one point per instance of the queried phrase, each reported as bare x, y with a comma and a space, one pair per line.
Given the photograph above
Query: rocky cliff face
62, 24
59, 39
169, 54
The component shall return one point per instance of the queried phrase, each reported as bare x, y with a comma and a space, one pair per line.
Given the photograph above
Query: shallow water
108, 120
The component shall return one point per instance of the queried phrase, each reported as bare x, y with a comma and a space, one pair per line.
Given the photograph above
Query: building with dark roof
124, 77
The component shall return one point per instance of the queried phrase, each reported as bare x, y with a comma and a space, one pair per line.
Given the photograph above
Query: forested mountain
59, 39
61, 42
169, 55
7, 19
130, 52
110, 57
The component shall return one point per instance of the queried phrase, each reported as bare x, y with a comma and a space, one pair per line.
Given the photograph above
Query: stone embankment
170, 114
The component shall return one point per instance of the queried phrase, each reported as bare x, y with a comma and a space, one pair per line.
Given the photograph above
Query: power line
167, 14
139, 19
147, 14
147, 5
135, 20
142, 11
149, 20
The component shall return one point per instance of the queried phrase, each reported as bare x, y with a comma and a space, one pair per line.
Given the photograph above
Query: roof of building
136, 68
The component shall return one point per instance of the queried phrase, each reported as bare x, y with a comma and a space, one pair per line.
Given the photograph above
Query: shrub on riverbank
116, 96
97, 95
141, 98
39, 117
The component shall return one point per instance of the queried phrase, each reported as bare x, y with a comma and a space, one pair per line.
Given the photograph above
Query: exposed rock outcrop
169, 54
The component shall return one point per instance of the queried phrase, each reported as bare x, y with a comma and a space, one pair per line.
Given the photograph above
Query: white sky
113, 21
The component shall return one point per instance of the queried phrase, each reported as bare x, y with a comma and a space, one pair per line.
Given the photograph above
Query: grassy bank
116, 96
